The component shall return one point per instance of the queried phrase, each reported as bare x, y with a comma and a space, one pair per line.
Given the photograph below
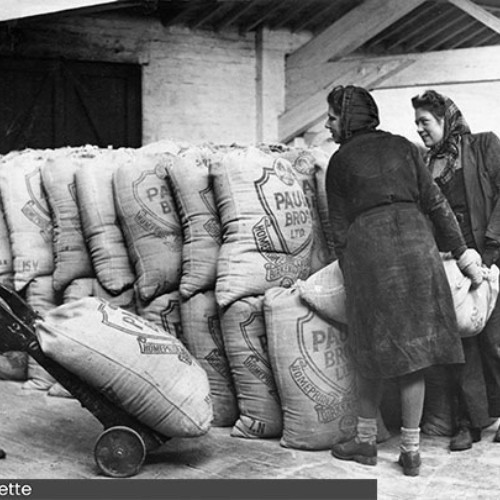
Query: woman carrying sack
400, 310
466, 167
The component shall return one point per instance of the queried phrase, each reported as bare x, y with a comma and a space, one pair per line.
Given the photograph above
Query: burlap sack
163, 146
40, 296
304, 166
146, 371
324, 292
150, 224
164, 312
71, 255
321, 160
6, 264
100, 224
203, 337
13, 365
188, 174
314, 376
245, 342
90, 287
266, 223
473, 306
27, 215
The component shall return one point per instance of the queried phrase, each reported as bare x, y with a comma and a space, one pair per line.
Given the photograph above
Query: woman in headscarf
466, 167
400, 309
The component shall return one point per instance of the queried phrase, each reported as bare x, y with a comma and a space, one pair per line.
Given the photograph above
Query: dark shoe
464, 438
411, 462
363, 453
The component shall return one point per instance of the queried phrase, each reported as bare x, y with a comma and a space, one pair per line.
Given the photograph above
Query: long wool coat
399, 306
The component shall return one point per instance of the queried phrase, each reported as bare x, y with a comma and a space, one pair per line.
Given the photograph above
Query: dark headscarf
357, 108
448, 148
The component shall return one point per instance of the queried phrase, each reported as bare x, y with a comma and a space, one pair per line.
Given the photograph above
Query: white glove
471, 266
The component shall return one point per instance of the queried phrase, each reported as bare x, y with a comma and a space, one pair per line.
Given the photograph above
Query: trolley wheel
120, 452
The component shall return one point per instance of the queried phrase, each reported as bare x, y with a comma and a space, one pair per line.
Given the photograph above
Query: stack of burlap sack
207, 268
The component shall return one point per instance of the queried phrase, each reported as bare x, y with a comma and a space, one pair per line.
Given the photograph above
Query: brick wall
197, 85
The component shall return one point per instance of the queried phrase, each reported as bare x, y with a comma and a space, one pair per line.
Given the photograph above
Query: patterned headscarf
358, 110
448, 148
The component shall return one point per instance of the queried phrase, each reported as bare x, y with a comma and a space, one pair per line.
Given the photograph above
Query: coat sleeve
490, 151
435, 205
336, 211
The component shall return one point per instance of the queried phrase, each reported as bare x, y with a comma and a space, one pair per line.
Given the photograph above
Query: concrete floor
49, 437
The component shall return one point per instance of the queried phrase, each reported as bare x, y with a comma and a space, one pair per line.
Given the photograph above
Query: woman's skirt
399, 304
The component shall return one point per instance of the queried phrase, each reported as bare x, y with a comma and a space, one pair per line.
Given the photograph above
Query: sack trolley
121, 449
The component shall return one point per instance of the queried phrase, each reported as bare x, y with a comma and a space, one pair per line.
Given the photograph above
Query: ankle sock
366, 430
410, 439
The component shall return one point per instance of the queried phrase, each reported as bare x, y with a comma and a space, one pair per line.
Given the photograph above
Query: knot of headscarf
359, 111
448, 148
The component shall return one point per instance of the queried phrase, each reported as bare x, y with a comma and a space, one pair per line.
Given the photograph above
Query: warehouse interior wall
475, 100
197, 85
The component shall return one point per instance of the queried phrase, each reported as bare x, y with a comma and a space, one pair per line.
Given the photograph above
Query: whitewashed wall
477, 101
197, 85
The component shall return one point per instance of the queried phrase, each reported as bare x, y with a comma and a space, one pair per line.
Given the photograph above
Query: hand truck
121, 448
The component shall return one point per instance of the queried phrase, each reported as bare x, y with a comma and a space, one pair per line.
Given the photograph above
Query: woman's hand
471, 265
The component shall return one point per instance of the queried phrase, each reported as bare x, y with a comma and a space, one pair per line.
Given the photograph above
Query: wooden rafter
464, 40
435, 28
396, 29
308, 113
396, 71
296, 6
308, 20
351, 31
479, 13
441, 40
414, 36
270, 10
226, 22
211, 14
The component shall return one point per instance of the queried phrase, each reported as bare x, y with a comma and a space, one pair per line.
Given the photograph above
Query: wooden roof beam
442, 40
307, 20
362, 72
417, 33
225, 23
402, 26
434, 29
296, 6
479, 13
270, 10
466, 39
350, 32
395, 71
211, 14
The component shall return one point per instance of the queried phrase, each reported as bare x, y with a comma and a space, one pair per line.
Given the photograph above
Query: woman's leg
370, 393
412, 389
363, 448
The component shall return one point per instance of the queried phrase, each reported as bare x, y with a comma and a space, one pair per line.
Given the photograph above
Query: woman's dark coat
399, 306
480, 157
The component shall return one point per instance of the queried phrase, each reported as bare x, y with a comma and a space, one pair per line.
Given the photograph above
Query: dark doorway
55, 103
